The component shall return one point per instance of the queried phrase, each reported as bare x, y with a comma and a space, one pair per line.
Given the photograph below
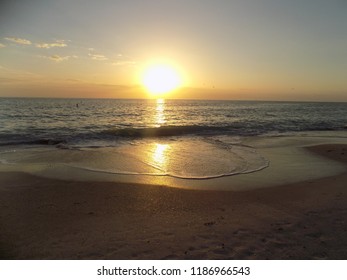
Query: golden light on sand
160, 79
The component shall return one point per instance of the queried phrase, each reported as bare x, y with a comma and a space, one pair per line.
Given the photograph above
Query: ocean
189, 139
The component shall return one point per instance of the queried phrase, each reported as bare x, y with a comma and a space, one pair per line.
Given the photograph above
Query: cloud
97, 56
124, 63
2, 45
21, 41
58, 58
123, 60
57, 43
18, 40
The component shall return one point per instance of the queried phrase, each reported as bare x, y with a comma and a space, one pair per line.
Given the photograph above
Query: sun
159, 79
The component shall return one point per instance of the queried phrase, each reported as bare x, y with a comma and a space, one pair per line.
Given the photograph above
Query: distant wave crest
49, 142
163, 131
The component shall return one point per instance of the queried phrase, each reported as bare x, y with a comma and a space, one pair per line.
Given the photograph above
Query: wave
62, 140
66, 140
236, 128
164, 131
48, 142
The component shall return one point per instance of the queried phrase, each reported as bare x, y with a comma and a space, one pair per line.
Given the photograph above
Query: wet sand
51, 219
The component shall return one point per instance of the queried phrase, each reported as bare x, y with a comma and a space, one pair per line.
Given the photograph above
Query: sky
222, 49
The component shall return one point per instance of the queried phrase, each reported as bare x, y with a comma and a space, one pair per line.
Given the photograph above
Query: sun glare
160, 154
160, 79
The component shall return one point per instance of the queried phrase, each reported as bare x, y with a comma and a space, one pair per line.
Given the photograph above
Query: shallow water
212, 163
188, 158
165, 139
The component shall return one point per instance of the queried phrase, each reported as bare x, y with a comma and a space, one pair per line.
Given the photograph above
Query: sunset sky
222, 49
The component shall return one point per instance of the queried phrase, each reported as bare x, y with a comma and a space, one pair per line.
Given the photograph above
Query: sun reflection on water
160, 155
160, 114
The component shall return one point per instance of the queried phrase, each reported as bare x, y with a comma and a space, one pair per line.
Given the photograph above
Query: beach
46, 218
173, 130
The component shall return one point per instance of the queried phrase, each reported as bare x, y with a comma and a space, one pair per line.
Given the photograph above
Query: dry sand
51, 219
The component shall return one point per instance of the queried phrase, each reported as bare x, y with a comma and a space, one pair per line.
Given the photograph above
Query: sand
44, 218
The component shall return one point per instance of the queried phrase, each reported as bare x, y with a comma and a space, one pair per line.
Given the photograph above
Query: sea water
185, 139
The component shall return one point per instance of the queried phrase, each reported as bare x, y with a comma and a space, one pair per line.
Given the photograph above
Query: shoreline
289, 159
44, 218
